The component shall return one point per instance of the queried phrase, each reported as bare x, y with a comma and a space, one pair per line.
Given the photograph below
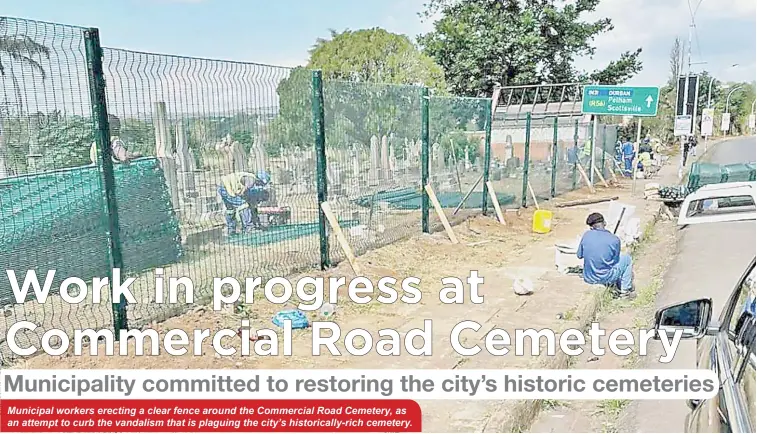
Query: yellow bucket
542, 221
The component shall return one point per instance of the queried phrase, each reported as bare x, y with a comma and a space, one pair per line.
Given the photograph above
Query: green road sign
620, 100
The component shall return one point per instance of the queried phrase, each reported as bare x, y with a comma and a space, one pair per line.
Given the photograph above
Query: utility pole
686, 94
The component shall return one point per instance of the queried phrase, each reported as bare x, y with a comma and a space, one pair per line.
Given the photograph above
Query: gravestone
186, 164
373, 173
356, 158
384, 157
258, 158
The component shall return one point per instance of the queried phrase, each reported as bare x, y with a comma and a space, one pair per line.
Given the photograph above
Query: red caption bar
196, 415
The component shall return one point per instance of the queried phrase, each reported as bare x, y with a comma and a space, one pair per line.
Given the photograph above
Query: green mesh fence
507, 156
54, 220
188, 133
203, 120
373, 147
571, 135
457, 132
607, 137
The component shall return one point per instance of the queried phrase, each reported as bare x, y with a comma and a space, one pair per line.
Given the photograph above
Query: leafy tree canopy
375, 55
371, 87
480, 43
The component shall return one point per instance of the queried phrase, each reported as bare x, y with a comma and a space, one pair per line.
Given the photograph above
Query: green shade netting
410, 199
57, 221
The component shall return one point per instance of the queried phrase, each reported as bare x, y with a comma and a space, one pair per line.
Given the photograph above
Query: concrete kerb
522, 413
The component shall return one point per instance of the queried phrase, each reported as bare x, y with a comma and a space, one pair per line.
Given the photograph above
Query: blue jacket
600, 250
628, 151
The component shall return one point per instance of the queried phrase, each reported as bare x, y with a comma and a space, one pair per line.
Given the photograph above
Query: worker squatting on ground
118, 149
241, 193
604, 264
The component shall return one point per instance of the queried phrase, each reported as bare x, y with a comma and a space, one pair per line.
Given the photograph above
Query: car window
721, 205
744, 306
741, 324
748, 386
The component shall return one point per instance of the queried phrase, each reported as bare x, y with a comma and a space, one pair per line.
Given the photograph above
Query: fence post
96, 80
319, 134
424, 159
487, 153
604, 148
575, 164
526, 152
590, 166
553, 187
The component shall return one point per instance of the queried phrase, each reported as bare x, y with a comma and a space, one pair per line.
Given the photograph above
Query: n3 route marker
620, 100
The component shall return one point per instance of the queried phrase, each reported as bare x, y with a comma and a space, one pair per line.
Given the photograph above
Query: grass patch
612, 407
550, 404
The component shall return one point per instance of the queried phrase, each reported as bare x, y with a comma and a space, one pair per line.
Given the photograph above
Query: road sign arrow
649, 101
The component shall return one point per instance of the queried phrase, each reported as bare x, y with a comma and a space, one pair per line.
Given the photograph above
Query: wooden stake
533, 195
585, 177
334, 222
440, 213
585, 201
493, 197
601, 178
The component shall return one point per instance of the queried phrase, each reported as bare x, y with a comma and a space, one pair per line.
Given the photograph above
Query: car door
730, 353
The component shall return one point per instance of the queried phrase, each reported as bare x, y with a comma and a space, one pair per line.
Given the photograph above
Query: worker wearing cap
241, 193
604, 264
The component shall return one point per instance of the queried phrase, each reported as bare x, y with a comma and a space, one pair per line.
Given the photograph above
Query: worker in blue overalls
628, 155
241, 193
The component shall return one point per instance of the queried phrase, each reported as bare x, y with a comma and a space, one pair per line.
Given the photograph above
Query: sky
280, 32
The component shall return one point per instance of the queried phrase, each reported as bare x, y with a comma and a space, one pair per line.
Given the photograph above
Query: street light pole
727, 105
709, 93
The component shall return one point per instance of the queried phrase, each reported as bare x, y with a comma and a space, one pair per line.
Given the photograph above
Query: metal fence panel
196, 121
52, 208
457, 130
373, 152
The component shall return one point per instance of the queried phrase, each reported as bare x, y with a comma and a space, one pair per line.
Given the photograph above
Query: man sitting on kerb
604, 264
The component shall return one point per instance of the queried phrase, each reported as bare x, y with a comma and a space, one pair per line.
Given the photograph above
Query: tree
23, 50
482, 43
371, 87
375, 55
675, 60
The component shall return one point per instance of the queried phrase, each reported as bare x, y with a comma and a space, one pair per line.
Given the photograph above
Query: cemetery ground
500, 254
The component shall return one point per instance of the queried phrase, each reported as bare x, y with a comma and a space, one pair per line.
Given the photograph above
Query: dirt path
650, 262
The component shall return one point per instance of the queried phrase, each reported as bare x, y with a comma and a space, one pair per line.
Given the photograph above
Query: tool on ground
620, 219
275, 215
467, 195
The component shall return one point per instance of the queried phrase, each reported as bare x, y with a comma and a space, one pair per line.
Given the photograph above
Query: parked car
725, 345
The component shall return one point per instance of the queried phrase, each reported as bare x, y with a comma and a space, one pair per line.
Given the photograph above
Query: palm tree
23, 50
20, 49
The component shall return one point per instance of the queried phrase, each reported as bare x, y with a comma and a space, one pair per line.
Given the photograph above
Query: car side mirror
692, 317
